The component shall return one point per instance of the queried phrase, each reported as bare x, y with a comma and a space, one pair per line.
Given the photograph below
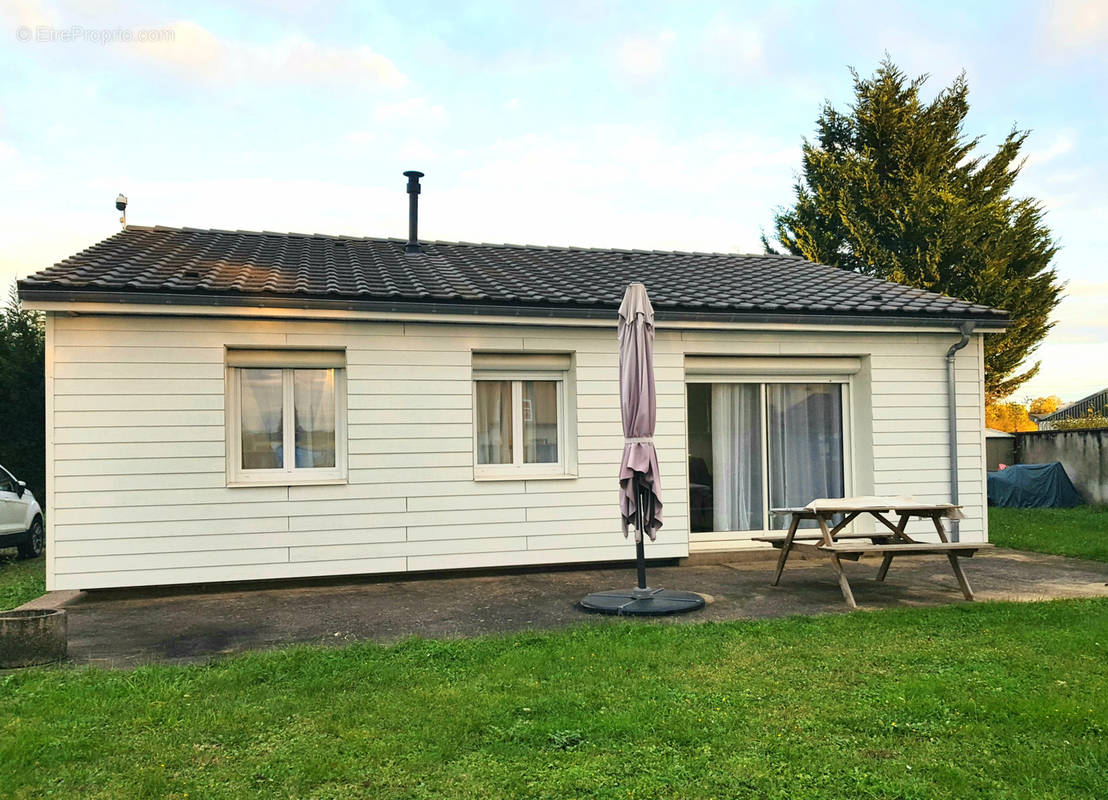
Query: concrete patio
195, 624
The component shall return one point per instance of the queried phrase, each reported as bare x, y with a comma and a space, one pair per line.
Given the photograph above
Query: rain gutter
34, 296
966, 329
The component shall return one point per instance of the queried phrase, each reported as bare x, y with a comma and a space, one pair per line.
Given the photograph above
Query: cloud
1064, 370
416, 113
623, 186
1078, 339
193, 53
362, 137
413, 110
30, 13
1061, 145
1077, 25
642, 57
918, 51
416, 151
735, 47
197, 54
1080, 316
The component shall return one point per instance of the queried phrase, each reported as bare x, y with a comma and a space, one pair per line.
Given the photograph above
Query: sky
612, 124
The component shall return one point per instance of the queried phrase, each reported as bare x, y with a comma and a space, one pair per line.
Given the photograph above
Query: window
758, 446
287, 415
519, 419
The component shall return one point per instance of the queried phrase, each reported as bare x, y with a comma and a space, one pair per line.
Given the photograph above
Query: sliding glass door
736, 425
757, 446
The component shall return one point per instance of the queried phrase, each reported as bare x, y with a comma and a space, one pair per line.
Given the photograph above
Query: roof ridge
463, 243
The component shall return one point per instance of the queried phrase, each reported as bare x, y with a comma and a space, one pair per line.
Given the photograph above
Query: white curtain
805, 444
314, 404
736, 457
261, 424
494, 422
540, 422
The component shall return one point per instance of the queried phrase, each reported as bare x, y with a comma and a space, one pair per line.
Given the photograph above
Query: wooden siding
136, 448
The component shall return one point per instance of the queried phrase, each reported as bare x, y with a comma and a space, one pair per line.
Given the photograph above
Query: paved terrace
196, 624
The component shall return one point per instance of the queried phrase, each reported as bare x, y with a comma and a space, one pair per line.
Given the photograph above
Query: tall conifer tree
893, 187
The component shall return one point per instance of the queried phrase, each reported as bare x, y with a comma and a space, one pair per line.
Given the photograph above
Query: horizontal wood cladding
137, 448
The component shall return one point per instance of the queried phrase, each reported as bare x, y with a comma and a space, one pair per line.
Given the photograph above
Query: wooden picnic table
832, 540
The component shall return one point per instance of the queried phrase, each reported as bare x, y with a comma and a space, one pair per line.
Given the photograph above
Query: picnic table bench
833, 541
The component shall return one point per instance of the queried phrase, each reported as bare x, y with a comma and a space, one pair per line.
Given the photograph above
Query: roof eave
31, 294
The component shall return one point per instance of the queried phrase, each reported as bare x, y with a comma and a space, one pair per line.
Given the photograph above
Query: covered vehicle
1032, 486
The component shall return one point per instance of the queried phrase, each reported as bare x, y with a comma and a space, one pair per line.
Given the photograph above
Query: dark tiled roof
192, 264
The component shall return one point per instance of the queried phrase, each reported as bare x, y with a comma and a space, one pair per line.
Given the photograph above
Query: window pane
313, 400
494, 422
805, 445
540, 422
262, 420
725, 449
700, 457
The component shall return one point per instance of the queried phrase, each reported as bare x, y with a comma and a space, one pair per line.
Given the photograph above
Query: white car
20, 517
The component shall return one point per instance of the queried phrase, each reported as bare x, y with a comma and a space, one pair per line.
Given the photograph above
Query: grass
20, 581
986, 700
1080, 532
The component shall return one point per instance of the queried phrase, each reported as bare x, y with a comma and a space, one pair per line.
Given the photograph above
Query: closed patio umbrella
639, 479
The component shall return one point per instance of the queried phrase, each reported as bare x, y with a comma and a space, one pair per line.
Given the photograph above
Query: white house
230, 405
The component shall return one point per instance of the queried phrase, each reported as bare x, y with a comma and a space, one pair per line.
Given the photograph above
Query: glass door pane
725, 457
262, 418
805, 445
700, 457
313, 402
737, 457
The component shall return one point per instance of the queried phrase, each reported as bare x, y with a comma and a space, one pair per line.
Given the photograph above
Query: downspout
952, 412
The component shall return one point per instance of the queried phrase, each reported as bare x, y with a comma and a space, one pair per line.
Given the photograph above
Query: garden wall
1084, 454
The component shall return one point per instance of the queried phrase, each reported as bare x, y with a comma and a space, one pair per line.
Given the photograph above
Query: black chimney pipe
413, 212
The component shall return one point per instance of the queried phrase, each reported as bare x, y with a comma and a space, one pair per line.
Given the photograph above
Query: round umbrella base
642, 602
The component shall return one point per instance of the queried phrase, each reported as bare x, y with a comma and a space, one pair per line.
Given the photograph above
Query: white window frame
846, 387
518, 469
290, 474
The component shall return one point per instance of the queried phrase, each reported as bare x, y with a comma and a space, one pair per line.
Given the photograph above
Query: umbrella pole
640, 546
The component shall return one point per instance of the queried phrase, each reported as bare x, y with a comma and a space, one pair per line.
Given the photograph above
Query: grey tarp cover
638, 471
1032, 486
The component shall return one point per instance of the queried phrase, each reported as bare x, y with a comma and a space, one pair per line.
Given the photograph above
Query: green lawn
1080, 532
20, 581
976, 701
983, 700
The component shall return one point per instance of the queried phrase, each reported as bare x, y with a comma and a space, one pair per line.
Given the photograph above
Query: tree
1044, 405
23, 395
893, 188
1008, 417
